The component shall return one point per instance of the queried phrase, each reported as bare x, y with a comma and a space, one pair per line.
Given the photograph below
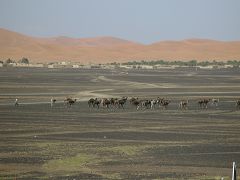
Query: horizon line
116, 37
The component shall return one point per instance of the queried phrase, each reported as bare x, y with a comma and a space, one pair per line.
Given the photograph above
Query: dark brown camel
203, 103
238, 104
132, 100
146, 104
164, 103
121, 102
106, 103
96, 102
90, 102
136, 103
70, 101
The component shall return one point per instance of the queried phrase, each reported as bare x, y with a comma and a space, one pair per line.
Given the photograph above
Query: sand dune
109, 49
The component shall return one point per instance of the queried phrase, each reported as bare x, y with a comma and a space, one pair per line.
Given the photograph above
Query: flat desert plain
38, 141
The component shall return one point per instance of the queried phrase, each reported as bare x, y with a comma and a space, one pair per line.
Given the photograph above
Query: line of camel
139, 103
143, 103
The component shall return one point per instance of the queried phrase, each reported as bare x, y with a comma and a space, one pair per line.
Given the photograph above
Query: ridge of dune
111, 49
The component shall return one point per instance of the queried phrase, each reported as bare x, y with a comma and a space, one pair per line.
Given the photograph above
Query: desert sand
110, 49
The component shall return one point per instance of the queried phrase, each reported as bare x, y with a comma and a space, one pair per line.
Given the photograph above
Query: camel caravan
107, 103
139, 104
143, 104
120, 103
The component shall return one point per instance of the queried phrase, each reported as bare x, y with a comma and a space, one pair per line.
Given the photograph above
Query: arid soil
78, 142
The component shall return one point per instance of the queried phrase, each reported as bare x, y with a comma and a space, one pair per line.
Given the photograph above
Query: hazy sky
143, 21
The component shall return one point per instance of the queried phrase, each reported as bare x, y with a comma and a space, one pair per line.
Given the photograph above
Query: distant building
25, 65
50, 66
19, 65
64, 63
159, 66
205, 67
228, 66
127, 66
75, 66
95, 67
60, 65
146, 67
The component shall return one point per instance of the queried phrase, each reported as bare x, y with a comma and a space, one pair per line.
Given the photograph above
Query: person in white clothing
52, 101
16, 102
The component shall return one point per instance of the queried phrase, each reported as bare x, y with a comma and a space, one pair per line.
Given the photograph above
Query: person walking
16, 103
52, 101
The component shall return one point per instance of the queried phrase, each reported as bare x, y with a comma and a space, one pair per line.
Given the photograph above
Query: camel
114, 102
215, 102
136, 103
165, 103
200, 103
69, 101
66, 100
238, 104
91, 102
153, 103
106, 102
203, 103
121, 102
183, 104
132, 100
159, 101
96, 103
146, 104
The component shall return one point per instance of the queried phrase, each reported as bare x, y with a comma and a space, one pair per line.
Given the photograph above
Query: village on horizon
148, 65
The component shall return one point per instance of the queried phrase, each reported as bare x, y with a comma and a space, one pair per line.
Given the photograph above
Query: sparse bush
24, 60
8, 61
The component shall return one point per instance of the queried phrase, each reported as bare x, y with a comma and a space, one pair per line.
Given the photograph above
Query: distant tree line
183, 63
9, 61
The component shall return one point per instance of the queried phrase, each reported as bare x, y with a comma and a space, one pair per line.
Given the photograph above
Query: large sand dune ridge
110, 49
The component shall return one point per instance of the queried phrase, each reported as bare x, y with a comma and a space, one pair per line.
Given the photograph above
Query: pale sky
144, 21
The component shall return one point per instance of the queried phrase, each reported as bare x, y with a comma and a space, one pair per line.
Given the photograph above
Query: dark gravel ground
39, 142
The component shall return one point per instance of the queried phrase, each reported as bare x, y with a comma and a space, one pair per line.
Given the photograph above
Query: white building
205, 67
126, 66
146, 66
159, 66
75, 66
228, 66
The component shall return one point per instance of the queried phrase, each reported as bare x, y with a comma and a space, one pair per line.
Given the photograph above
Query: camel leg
138, 107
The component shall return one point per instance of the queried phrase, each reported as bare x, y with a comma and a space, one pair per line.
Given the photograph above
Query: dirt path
135, 85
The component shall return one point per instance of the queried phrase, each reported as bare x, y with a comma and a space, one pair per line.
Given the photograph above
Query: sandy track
103, 93
136, 85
